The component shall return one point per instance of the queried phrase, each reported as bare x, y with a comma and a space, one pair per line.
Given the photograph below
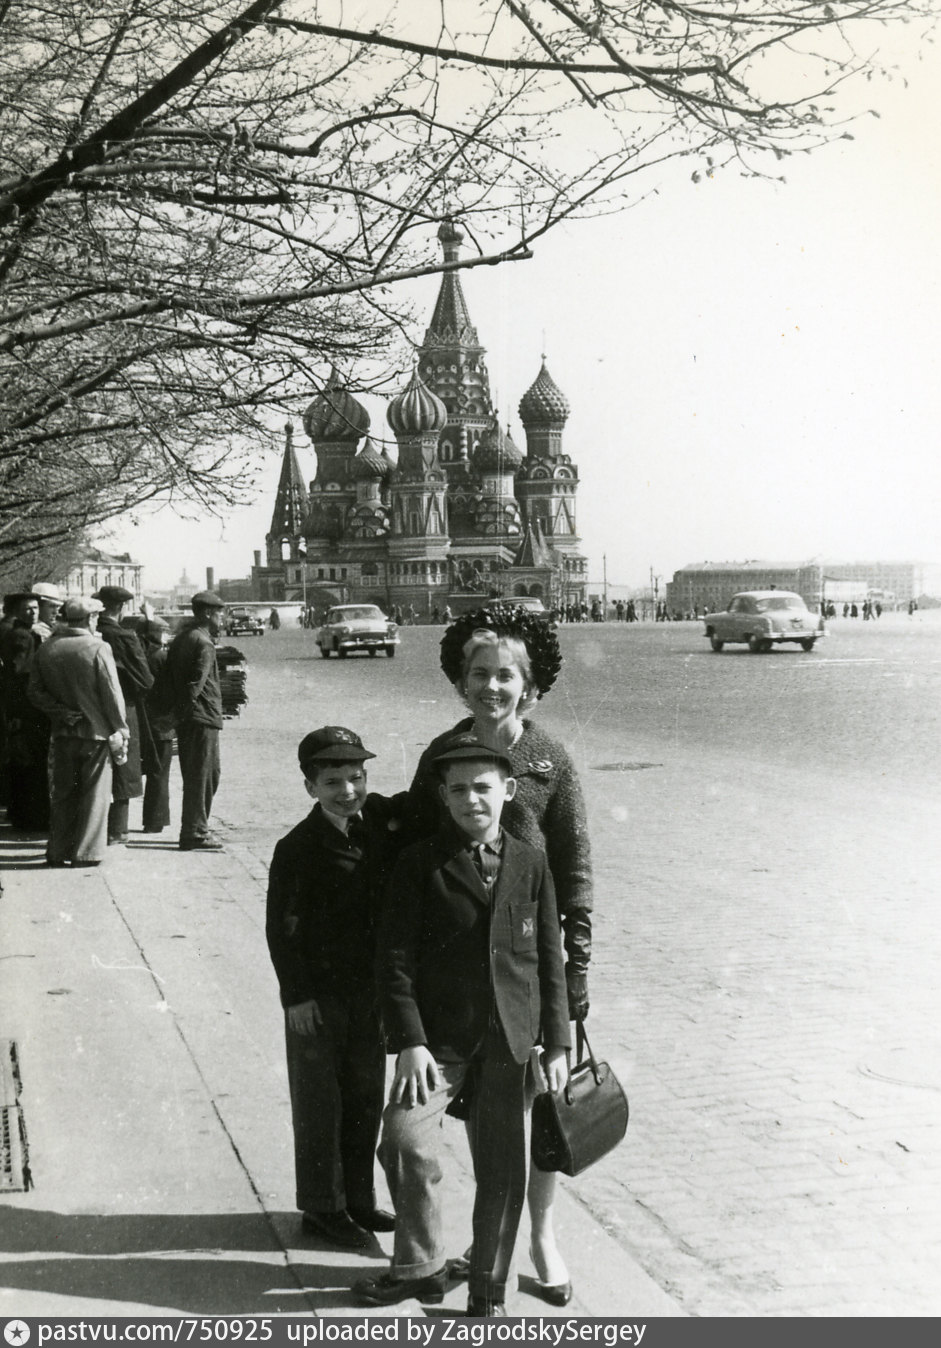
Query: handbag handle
581, 1043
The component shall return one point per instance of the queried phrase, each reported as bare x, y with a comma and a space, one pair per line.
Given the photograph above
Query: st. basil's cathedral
462, 514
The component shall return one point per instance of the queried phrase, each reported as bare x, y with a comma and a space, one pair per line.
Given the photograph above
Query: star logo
529, 926
16, 1332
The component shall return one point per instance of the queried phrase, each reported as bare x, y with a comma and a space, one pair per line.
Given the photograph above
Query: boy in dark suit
322, 899
471, 977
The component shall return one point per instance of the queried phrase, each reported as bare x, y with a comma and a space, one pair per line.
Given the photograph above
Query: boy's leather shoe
336, 1227
481, 1306
386, 1290
372, 1219
209, 844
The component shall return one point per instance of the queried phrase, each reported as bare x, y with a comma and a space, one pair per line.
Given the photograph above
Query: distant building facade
712, 584
462, 514
96, 568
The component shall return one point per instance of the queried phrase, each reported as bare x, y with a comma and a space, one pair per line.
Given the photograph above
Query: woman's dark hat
506, 620
466, 745
332, 744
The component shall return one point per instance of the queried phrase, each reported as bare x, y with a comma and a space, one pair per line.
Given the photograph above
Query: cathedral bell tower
451, 364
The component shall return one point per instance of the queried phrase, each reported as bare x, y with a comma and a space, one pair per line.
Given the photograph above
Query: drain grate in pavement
14, 1170
624, 767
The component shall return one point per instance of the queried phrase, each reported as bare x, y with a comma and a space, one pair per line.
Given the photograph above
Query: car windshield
348, 615
789, 601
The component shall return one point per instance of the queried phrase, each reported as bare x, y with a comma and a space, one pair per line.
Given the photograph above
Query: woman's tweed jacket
548, 811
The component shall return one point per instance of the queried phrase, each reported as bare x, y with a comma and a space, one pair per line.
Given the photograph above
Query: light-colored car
762, 618
357, 627
530, 604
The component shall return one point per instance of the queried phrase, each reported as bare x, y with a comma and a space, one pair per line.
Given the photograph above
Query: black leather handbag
587, 1118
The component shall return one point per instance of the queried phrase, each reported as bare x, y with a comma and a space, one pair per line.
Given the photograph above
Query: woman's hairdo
505, 620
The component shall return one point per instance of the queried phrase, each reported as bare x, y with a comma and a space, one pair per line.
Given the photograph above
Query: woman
502, 660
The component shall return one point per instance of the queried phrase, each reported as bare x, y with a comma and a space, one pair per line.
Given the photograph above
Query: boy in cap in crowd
197, 694
470, 979
323, 890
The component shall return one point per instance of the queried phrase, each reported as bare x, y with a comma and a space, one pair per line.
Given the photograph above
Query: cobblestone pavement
764, 978
765, 975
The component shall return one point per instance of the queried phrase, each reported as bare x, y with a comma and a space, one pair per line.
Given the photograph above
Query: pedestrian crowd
449, 925
92, 698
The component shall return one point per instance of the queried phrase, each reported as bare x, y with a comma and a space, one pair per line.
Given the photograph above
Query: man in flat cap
27, 729
194, 672
74, 681
136, 678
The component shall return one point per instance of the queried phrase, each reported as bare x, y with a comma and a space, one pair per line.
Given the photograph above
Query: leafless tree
205, 205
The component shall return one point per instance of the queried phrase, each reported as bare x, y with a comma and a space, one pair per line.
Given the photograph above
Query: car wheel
342, 652
390, 651
808, 643
756, 645
715, 643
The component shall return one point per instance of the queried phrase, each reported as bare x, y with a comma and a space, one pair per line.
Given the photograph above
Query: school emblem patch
529, 926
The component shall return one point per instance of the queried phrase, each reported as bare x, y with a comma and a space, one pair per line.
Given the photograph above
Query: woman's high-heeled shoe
556, 1293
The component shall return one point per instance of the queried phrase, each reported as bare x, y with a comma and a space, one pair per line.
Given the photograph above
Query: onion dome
417, 411
335, 415
370, 463
544, 401
496, 452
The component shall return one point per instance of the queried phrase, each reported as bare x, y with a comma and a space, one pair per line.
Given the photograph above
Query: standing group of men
91, 701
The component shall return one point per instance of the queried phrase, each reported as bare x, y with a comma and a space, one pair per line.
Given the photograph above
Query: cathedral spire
451, 321
291, 503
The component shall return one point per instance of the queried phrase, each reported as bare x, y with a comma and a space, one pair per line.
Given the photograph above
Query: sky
752, 366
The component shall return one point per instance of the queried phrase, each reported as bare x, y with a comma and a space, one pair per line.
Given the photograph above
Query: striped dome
496, 452
417, 411
370, 462
335, 415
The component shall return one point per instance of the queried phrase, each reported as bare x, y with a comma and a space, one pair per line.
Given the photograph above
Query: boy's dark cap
206, 599
466, 745
333, 744
113, 594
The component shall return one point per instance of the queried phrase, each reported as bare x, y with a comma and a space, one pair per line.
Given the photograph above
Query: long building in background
459, 515
710, 585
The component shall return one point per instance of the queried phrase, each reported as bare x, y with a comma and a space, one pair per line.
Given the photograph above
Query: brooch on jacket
540, 767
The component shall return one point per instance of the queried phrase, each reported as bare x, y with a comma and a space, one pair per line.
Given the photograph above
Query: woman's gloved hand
576, 934
576, 985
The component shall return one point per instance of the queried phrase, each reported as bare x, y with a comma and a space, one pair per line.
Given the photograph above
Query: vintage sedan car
762, 618
241, 622
357, 627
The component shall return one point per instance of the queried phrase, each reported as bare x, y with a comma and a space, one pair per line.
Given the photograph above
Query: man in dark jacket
27, 728
197, 693
135, 679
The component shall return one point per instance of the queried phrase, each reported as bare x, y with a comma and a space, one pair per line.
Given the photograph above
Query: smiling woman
501, 660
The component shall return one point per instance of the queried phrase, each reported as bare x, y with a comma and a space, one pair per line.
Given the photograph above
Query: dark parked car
243, 622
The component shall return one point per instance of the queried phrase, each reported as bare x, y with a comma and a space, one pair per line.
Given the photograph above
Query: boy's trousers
410, 1152
337, 1081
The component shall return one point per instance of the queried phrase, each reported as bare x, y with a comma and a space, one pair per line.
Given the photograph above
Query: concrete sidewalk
153, 1088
